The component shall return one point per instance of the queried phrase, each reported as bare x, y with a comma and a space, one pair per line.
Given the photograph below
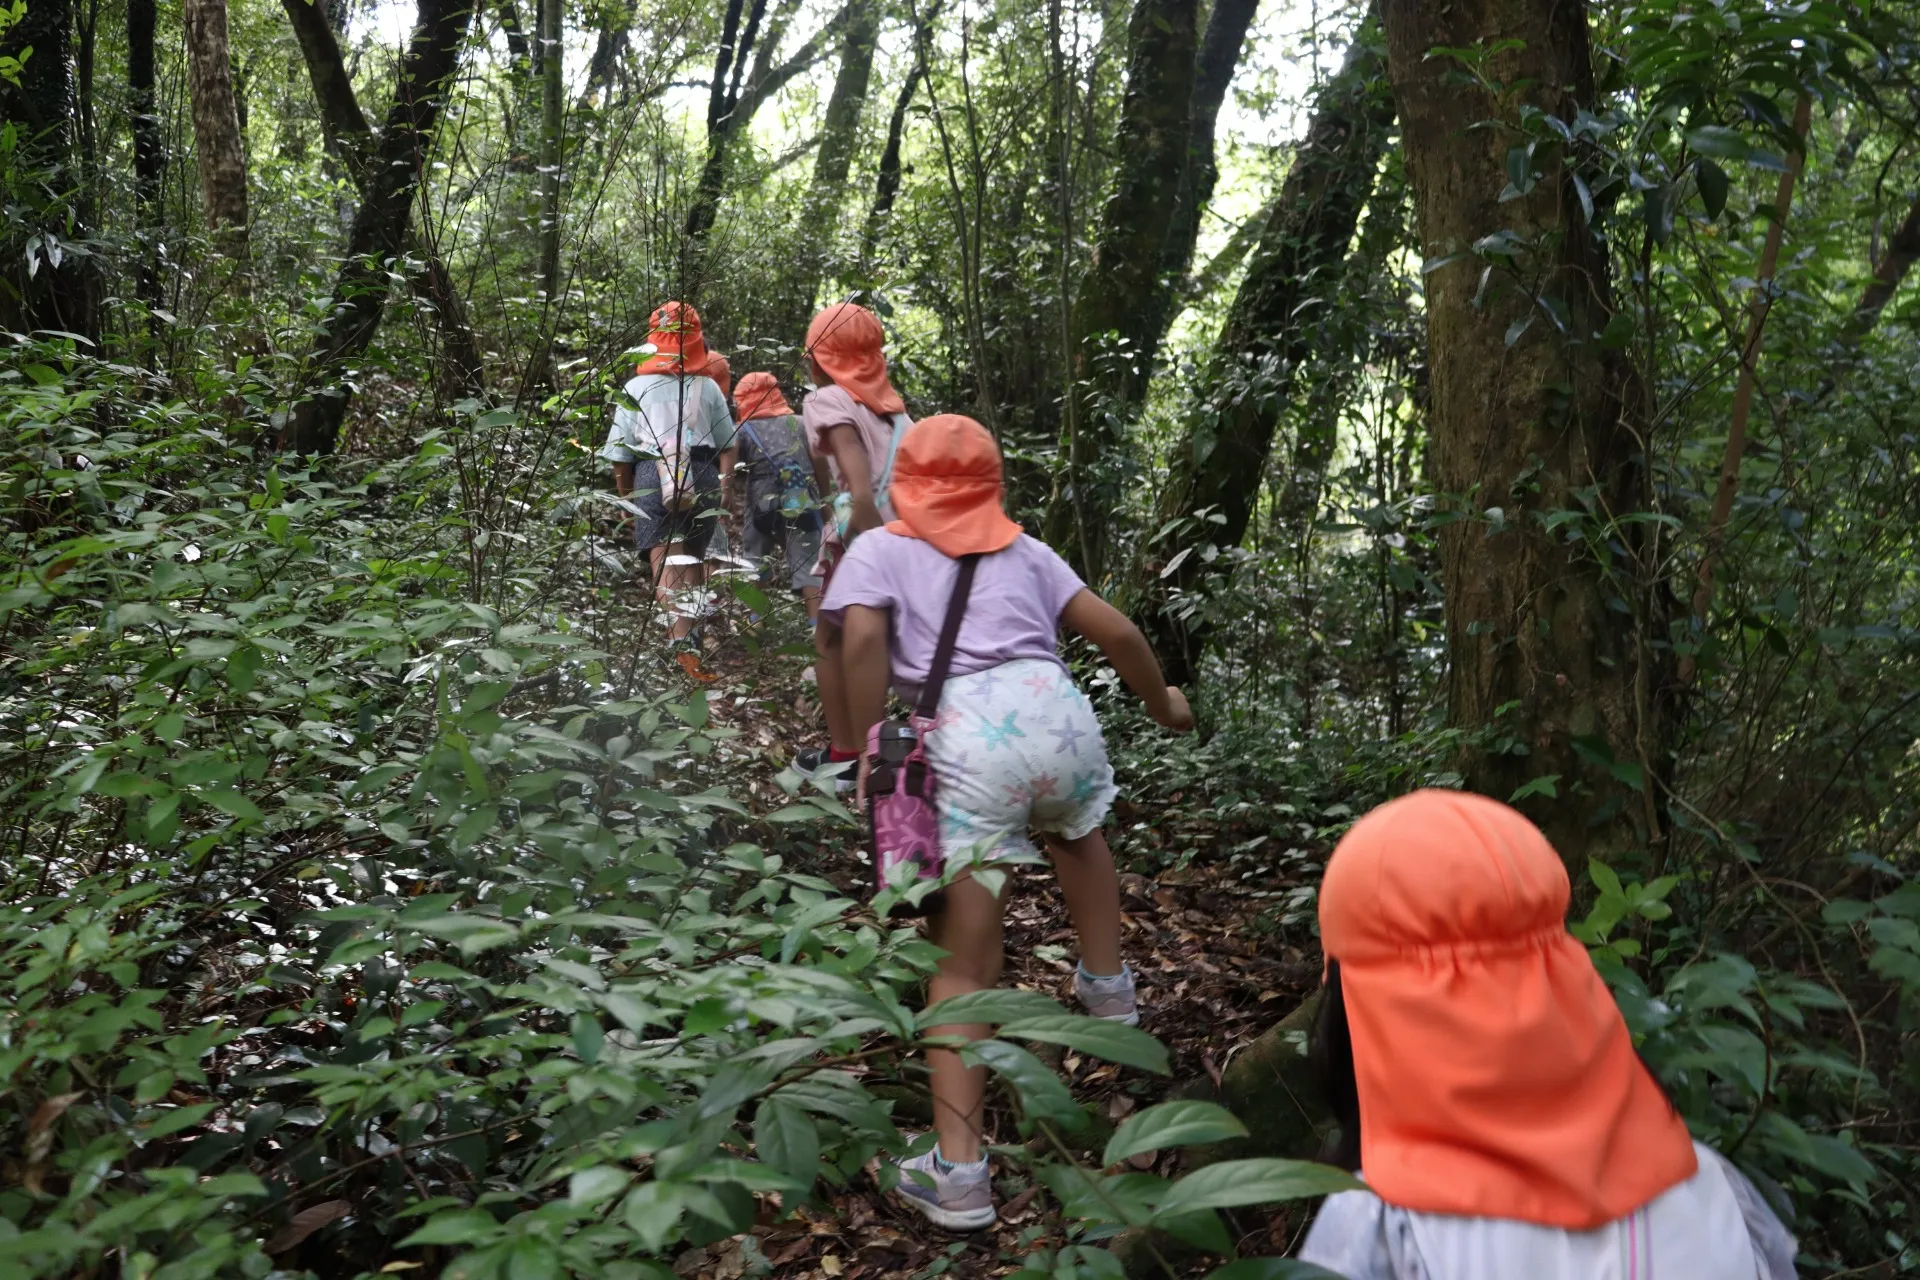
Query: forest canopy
1513, 396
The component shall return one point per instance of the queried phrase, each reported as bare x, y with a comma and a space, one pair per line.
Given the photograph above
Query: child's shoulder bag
903, 819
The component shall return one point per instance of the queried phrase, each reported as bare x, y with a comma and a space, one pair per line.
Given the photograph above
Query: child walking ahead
783, 506
854, 422
1015, 746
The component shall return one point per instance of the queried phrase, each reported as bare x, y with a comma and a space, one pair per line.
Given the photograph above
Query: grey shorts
693, 527
800, 543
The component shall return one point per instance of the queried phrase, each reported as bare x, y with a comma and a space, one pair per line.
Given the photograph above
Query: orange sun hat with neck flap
678, 345
1496, 1076
847, 342
759, 396
946, 487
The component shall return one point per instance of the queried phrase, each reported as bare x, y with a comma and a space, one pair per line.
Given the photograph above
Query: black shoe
813, 762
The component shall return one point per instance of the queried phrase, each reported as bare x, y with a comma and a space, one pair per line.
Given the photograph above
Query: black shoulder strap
949, 638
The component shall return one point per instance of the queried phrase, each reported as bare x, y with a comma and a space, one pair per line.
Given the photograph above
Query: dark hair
1330, 1056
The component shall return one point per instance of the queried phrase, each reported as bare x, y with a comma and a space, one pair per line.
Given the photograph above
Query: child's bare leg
968, 929
830, 679
1091, 887
673, 579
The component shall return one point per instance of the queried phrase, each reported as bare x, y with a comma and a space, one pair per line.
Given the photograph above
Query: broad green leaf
785, 1138
601, 1182
1181, 1123
1001, 1004
1042, 1094
463, 1226
1233, 1184
1113, 1041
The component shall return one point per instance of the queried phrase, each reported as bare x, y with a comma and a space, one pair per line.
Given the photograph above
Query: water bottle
896, 741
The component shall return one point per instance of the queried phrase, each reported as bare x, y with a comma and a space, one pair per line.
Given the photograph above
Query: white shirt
692, 408
1714, 1226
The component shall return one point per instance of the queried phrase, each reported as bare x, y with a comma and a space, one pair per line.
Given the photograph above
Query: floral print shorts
1017, 748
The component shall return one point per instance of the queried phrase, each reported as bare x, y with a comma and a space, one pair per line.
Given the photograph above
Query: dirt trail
1212, 976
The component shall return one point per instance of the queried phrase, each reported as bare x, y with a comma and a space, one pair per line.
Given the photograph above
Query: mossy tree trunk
216, 131
1555, 636
1270, 332
1112, 324
382, 225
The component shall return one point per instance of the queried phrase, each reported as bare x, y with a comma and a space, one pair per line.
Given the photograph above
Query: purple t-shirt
1012, 613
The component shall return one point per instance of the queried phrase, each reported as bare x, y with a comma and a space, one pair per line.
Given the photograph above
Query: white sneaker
1114, 999
959, 1198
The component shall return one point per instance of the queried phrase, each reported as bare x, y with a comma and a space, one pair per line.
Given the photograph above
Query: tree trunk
607, 48
216, 129
839, 139
345, 126
1220, 51
382, 224
886, 183
1551, 670
43, 285
1269, 334
1903, 250
149, 143
1115, 309
552, 144
720, 113
351, 137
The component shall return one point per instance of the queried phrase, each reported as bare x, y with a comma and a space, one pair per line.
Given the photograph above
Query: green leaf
178, 1119
588, 1037
1001, 1004
600, 1183
1547, 784
1604, 878
233, 804
463, 1226
472, 934
1042, 1094
1718, 141
1232, 1184
1114, 1041
785, 1138
1172, 1124
1714, 186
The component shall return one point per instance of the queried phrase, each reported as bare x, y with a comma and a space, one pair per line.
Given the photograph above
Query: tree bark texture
1114, 310
886, 182
720, 119
1220, 51
1903, 250
216, 125
350, 136
382, 224
839, 139
1269, 334
1552, 667
149, 141
341, 119
552, 143
607, 48
42, 286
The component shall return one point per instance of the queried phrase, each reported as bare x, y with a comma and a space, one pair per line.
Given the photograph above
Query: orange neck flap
846, 341
1496, 1076
946, 487
759, 396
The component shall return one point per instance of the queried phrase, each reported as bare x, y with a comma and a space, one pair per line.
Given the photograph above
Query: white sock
1103, 979
945, 1165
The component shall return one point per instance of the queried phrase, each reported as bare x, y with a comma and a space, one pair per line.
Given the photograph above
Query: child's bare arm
1130, 655
865, 662
856, 474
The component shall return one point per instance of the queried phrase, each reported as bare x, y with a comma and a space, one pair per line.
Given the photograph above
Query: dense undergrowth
354, 924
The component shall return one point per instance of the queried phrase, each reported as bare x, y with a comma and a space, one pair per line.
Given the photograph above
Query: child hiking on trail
672, 452
783, 505
1485, 1083
854, 422
1015, 746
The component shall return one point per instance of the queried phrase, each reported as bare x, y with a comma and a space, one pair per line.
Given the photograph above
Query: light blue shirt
691, 408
